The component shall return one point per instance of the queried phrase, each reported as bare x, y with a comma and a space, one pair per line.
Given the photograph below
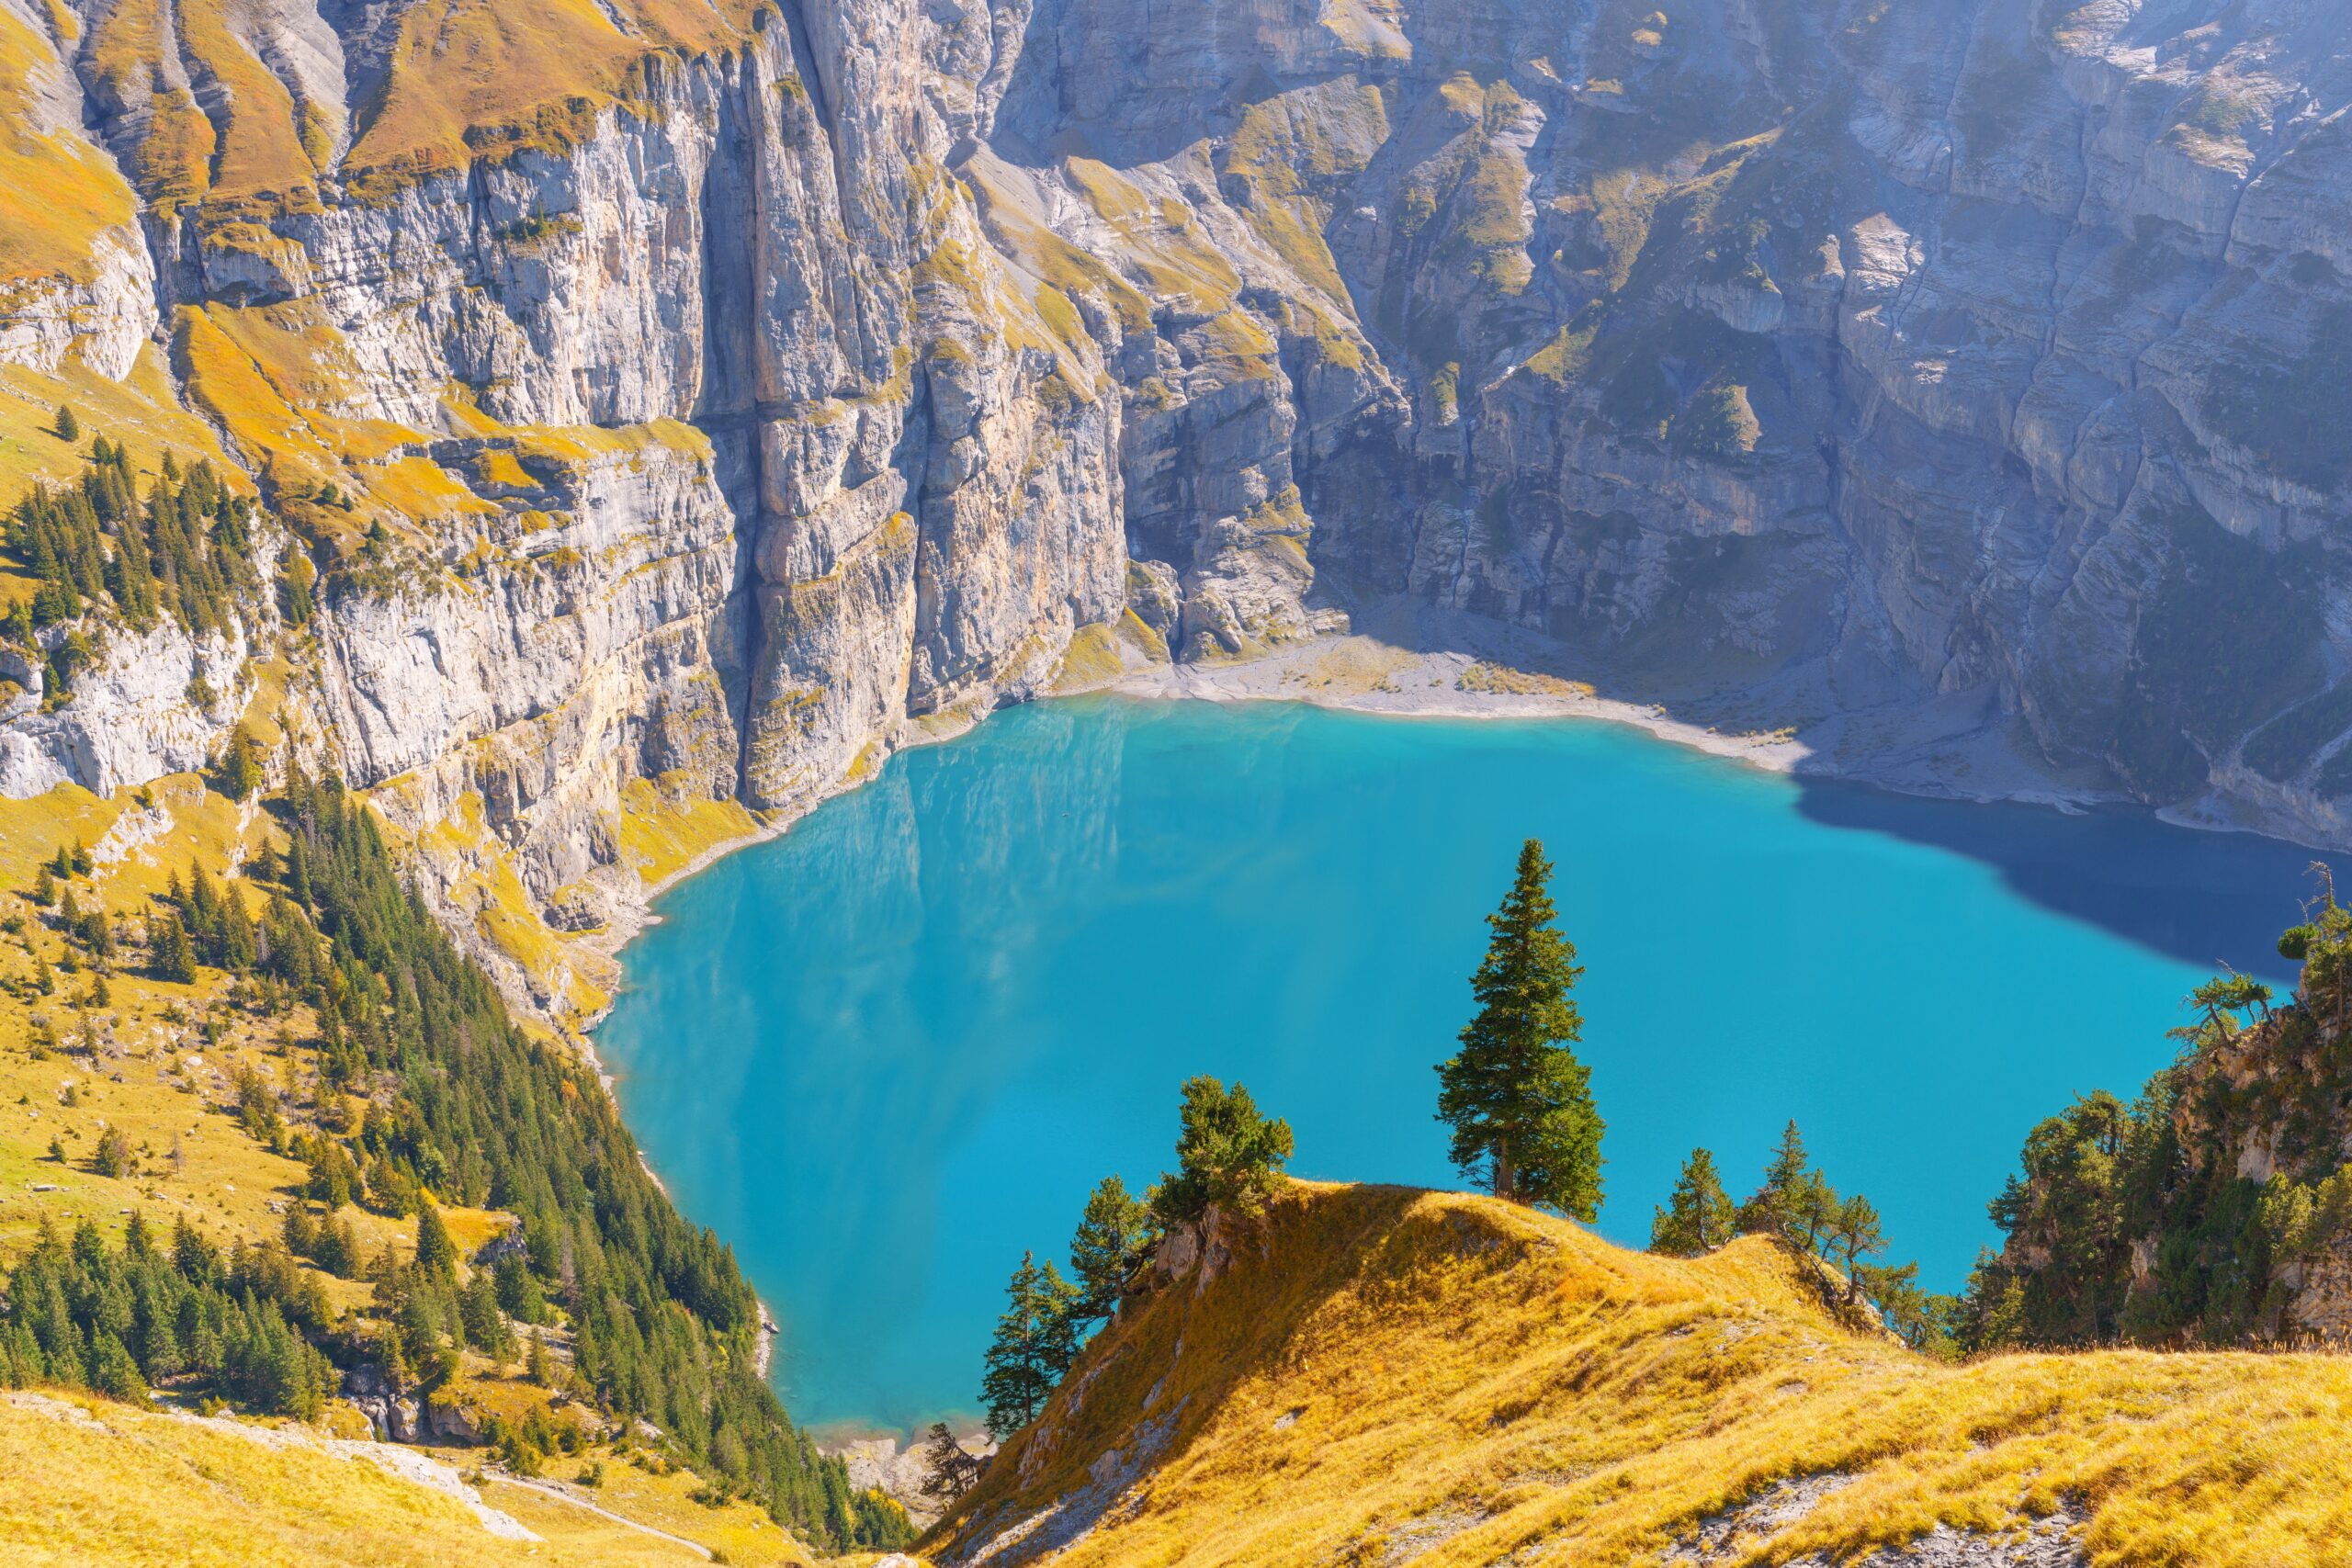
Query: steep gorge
685, 405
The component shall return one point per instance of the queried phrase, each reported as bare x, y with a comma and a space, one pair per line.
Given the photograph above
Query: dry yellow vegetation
1380, 1369
91, 1482
665, 828
58, 193
472, 76
142, 411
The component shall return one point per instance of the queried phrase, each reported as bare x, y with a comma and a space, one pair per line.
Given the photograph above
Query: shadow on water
2205, 898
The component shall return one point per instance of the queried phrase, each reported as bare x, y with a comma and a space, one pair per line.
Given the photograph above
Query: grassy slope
93, 1482
106, 1494
58, 193
1454, 1363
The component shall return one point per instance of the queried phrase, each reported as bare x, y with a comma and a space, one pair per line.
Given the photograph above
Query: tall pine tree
1519, 1101
435, 1254
1035, 1341
1113, 1236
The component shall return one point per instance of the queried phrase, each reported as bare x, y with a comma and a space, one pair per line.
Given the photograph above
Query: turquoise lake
888, 1051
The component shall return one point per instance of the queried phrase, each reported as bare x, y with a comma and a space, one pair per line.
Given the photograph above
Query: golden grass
91, 1482
1092, 659
173, 164
463, 63
664, 829
492, 76
171, 1094
58, 193
142, 412
1501, 679
234, 388
1431, 1355
260, 144
637, 1487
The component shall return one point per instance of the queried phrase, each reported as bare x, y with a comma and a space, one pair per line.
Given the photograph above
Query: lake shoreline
1351, 673
1941, 749
940, 954
1357, 674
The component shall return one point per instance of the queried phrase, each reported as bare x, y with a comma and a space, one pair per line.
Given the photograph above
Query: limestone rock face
713, 409
135, 713
100, 322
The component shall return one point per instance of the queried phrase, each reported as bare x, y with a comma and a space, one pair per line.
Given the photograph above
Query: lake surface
888, 1052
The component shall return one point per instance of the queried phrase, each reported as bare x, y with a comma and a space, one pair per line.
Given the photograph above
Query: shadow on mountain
2206, 899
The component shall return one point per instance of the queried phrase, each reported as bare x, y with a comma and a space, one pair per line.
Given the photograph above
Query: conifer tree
170, 951
486, 1327
1519, 1100
435, 1254
1698, 1216
949, 1469
1789, 1189
113, 1372
68, 427
241, 769
1114, 1235
1034, 1343
1228, 1155
112, 1155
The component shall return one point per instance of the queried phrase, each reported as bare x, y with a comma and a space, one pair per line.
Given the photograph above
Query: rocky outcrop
101, 320
722, 409
882, 1464
152, 702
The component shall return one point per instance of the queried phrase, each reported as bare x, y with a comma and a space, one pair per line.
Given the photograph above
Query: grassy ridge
1379, 1369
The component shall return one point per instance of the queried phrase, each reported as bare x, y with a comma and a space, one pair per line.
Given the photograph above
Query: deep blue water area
890, 1050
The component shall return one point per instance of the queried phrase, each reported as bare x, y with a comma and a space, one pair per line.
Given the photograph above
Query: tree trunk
1506, 1177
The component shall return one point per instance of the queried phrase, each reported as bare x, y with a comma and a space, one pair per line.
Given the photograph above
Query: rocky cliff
683, 405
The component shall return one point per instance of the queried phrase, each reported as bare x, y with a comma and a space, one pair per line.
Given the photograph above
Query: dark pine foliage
84, 1317
482, 1112
2135, 1222
463, 1104
184, 549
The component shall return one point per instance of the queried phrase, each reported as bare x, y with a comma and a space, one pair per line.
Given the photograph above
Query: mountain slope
93, 1482
682, 406
1380, 1375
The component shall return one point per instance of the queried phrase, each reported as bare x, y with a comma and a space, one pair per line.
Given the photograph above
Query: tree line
183, 549
2133, 1222
429, 1092
1230, 1160
240, 1326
